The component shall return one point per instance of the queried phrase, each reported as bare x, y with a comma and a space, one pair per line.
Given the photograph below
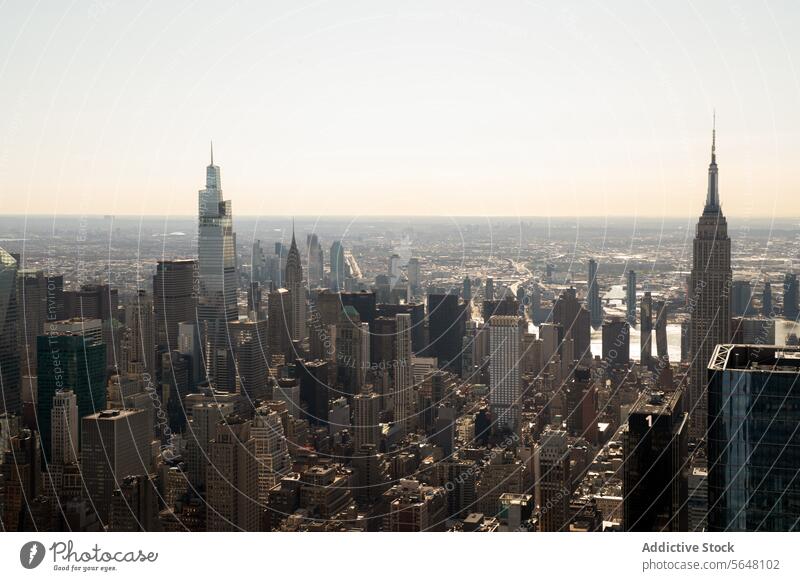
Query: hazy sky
403, 107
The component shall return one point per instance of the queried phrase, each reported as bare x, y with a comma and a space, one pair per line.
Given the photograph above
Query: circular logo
31, 554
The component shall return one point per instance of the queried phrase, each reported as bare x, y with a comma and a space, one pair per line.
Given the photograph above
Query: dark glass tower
709, 297
630, 298
595, 306
446, 327
656, 470
69, 360
791, 310
10, 400
174, 299
754, 439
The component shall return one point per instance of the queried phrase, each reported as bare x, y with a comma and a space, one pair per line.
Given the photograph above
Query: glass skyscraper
754, 438
216, 257
75, 360
10, 401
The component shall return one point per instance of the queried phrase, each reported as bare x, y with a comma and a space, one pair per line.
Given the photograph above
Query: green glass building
74, 361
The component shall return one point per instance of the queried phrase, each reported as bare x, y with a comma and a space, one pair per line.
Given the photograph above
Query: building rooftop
781, 359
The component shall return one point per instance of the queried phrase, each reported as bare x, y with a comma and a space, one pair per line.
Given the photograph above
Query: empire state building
709, 304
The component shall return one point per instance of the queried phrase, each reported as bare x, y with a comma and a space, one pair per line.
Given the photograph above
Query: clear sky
413, 107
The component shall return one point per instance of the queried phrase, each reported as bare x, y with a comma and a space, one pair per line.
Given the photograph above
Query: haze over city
363, 108
382, 267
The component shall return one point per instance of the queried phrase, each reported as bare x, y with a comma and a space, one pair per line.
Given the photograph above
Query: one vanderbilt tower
216, 257
709, 305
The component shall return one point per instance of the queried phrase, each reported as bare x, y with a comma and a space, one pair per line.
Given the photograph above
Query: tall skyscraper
249, 342
753, 439
505, 359
115, 444
403, 378
446, 328
741, 298
575, 321
352, 351
71, 356
205, 417
174, 299
766, 301
593, 296
294, 282
413, 273
279, 327
630, 298
655, 469
138, 343
216, 258
488, 292
616, 342
270, 449
551, 466
316, 262
709, 298
258, 263
232, 478
337, 266
662, 348
10, 380
366, 416
791, 295
64, 424
32, 296
646, 329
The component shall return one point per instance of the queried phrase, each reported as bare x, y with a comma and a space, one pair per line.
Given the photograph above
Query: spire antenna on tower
714, 135
212, 152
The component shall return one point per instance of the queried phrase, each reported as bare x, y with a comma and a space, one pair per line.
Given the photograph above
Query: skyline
376, 109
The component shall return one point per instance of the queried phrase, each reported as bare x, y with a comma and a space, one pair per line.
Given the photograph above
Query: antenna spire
712, 197
212, 152
714, 137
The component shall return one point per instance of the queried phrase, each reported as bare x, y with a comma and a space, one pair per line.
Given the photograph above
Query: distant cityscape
223, 373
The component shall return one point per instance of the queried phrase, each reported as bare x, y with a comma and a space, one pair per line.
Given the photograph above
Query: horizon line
443, 216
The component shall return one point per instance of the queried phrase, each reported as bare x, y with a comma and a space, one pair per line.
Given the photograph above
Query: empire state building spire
712, 197
709, 285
